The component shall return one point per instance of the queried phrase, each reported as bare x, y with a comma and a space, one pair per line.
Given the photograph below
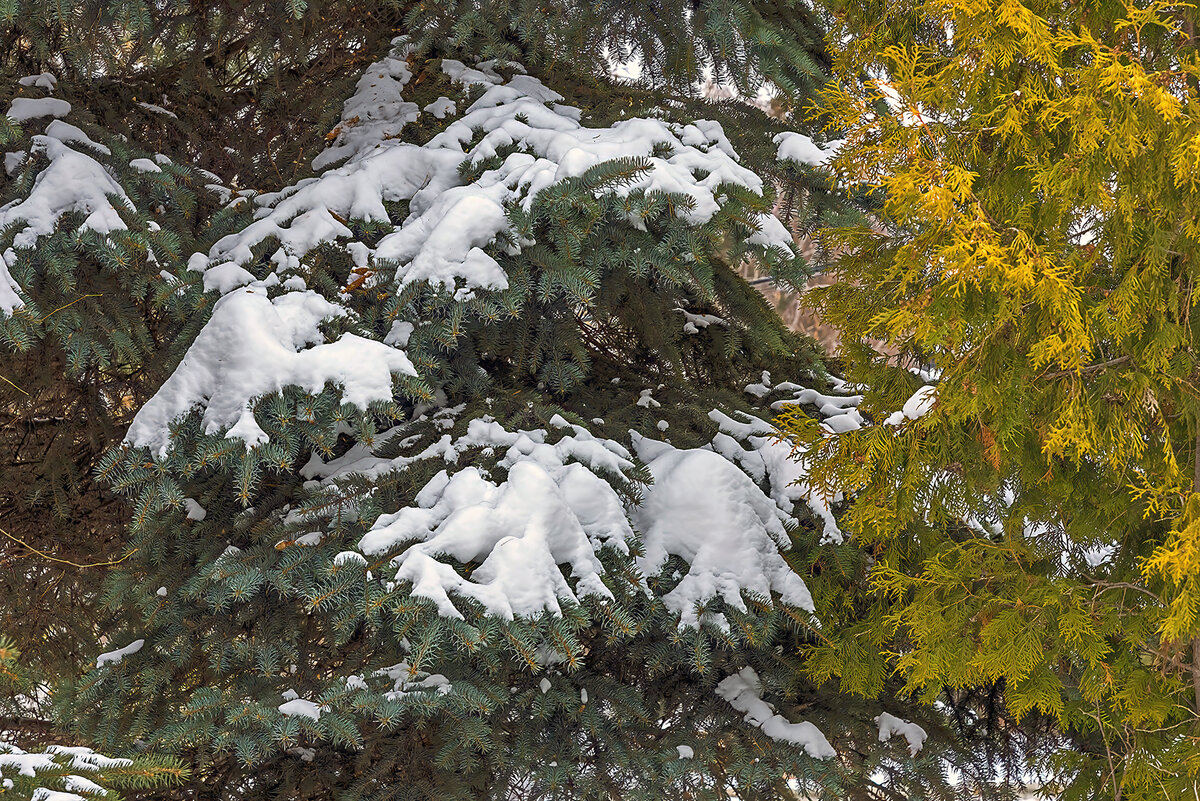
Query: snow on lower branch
537, 535
744, 693
549, 512
16, 762
702, 508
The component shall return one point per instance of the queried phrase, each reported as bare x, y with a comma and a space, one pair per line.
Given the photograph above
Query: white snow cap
23, 109
549, 512
744, 693
115, 657
295, 706
537, 535
921, 402
45, 80
702, 508
255, 345
890, 726
72, 182
449, 224
14, 760
800, 148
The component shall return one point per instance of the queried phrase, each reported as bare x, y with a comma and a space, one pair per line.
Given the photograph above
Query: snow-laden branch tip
921, 402
744, 693
890, 726
115, 657
801, 149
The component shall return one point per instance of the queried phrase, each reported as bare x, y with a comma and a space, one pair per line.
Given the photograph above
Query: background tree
1030, 517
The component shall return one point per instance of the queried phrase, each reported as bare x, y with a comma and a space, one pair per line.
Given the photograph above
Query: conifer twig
1091, 368
45, 555
14, 386
72, 303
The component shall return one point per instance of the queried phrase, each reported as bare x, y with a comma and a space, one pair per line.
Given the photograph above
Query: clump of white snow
115, 657
15, 761
23, 109
702, 508
797, 147
744, 693
921, 402
295, 706
255, 345
72, 182
891, 726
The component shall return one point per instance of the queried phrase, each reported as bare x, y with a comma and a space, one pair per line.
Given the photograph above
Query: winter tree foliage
385, 414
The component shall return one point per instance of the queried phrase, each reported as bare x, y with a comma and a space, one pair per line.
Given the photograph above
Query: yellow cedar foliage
1036, 246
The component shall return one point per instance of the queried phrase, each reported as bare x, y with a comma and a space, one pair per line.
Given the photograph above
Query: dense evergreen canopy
385, 414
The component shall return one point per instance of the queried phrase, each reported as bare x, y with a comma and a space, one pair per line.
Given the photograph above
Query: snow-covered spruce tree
453, 493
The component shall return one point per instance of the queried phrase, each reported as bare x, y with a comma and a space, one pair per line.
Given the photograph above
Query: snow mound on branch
447, 238
891, 726
702, 508
552, 510
255, 345
45, 80
450, 222
23, 109
752, 444
537, 535
295, 706
915, 407
115, 657
16, 762
799, 148
72, 182
375, 112
744, 693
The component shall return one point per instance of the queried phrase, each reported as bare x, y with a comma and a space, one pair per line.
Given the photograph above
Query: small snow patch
890, 726
115, 657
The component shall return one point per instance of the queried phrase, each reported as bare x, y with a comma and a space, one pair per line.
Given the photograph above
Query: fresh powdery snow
537, 534
23, 109
16, 762
256, 345
744, 693
115, 657
702, 508
916, 406
72, 182
891, 726
295, 706
803, 150
264, 338
552, 509
45, 80
450, 223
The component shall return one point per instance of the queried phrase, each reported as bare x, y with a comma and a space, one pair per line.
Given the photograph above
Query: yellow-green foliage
1038, 170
